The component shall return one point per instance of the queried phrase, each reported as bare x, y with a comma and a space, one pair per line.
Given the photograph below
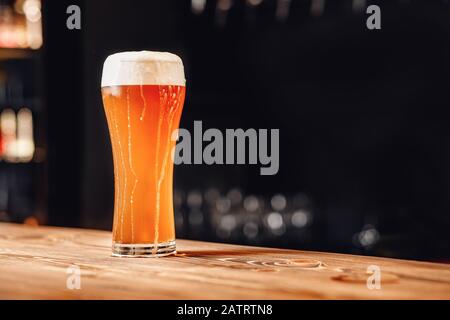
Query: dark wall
63, 79
362, 114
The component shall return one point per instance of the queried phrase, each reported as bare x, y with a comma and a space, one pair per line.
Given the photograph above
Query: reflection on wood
34, 263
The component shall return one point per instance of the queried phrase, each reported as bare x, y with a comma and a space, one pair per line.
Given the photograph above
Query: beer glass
143, 95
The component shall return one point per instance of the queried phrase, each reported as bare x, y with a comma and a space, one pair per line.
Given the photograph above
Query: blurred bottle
2, 106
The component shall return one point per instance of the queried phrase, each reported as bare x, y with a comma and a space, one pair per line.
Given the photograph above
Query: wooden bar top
40, 263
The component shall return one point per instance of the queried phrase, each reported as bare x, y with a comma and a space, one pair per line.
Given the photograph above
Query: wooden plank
34, 263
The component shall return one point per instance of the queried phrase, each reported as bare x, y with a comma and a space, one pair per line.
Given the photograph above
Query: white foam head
143, 68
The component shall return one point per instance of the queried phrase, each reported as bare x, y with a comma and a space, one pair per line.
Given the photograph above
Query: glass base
143, 250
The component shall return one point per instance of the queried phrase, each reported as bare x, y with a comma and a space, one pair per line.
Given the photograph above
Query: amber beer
143, 95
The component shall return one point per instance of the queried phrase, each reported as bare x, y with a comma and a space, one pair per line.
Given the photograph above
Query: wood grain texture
34, 262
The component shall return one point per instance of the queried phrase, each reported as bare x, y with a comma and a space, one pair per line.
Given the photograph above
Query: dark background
364, 134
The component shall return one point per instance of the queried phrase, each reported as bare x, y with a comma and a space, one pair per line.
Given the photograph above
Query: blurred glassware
195, 218
359, 5
282, 10
223, 205
275, 223
227, 225
251, 203
366, 238
235, 196
253, 3
300, 218
16, 133
8, 129
198, 6
222, 9
278, 202
25, 140
317, 7
240, 218
194, 199
211, 196
178, 198
251, 230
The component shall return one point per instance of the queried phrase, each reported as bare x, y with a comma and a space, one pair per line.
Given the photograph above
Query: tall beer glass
143, 95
